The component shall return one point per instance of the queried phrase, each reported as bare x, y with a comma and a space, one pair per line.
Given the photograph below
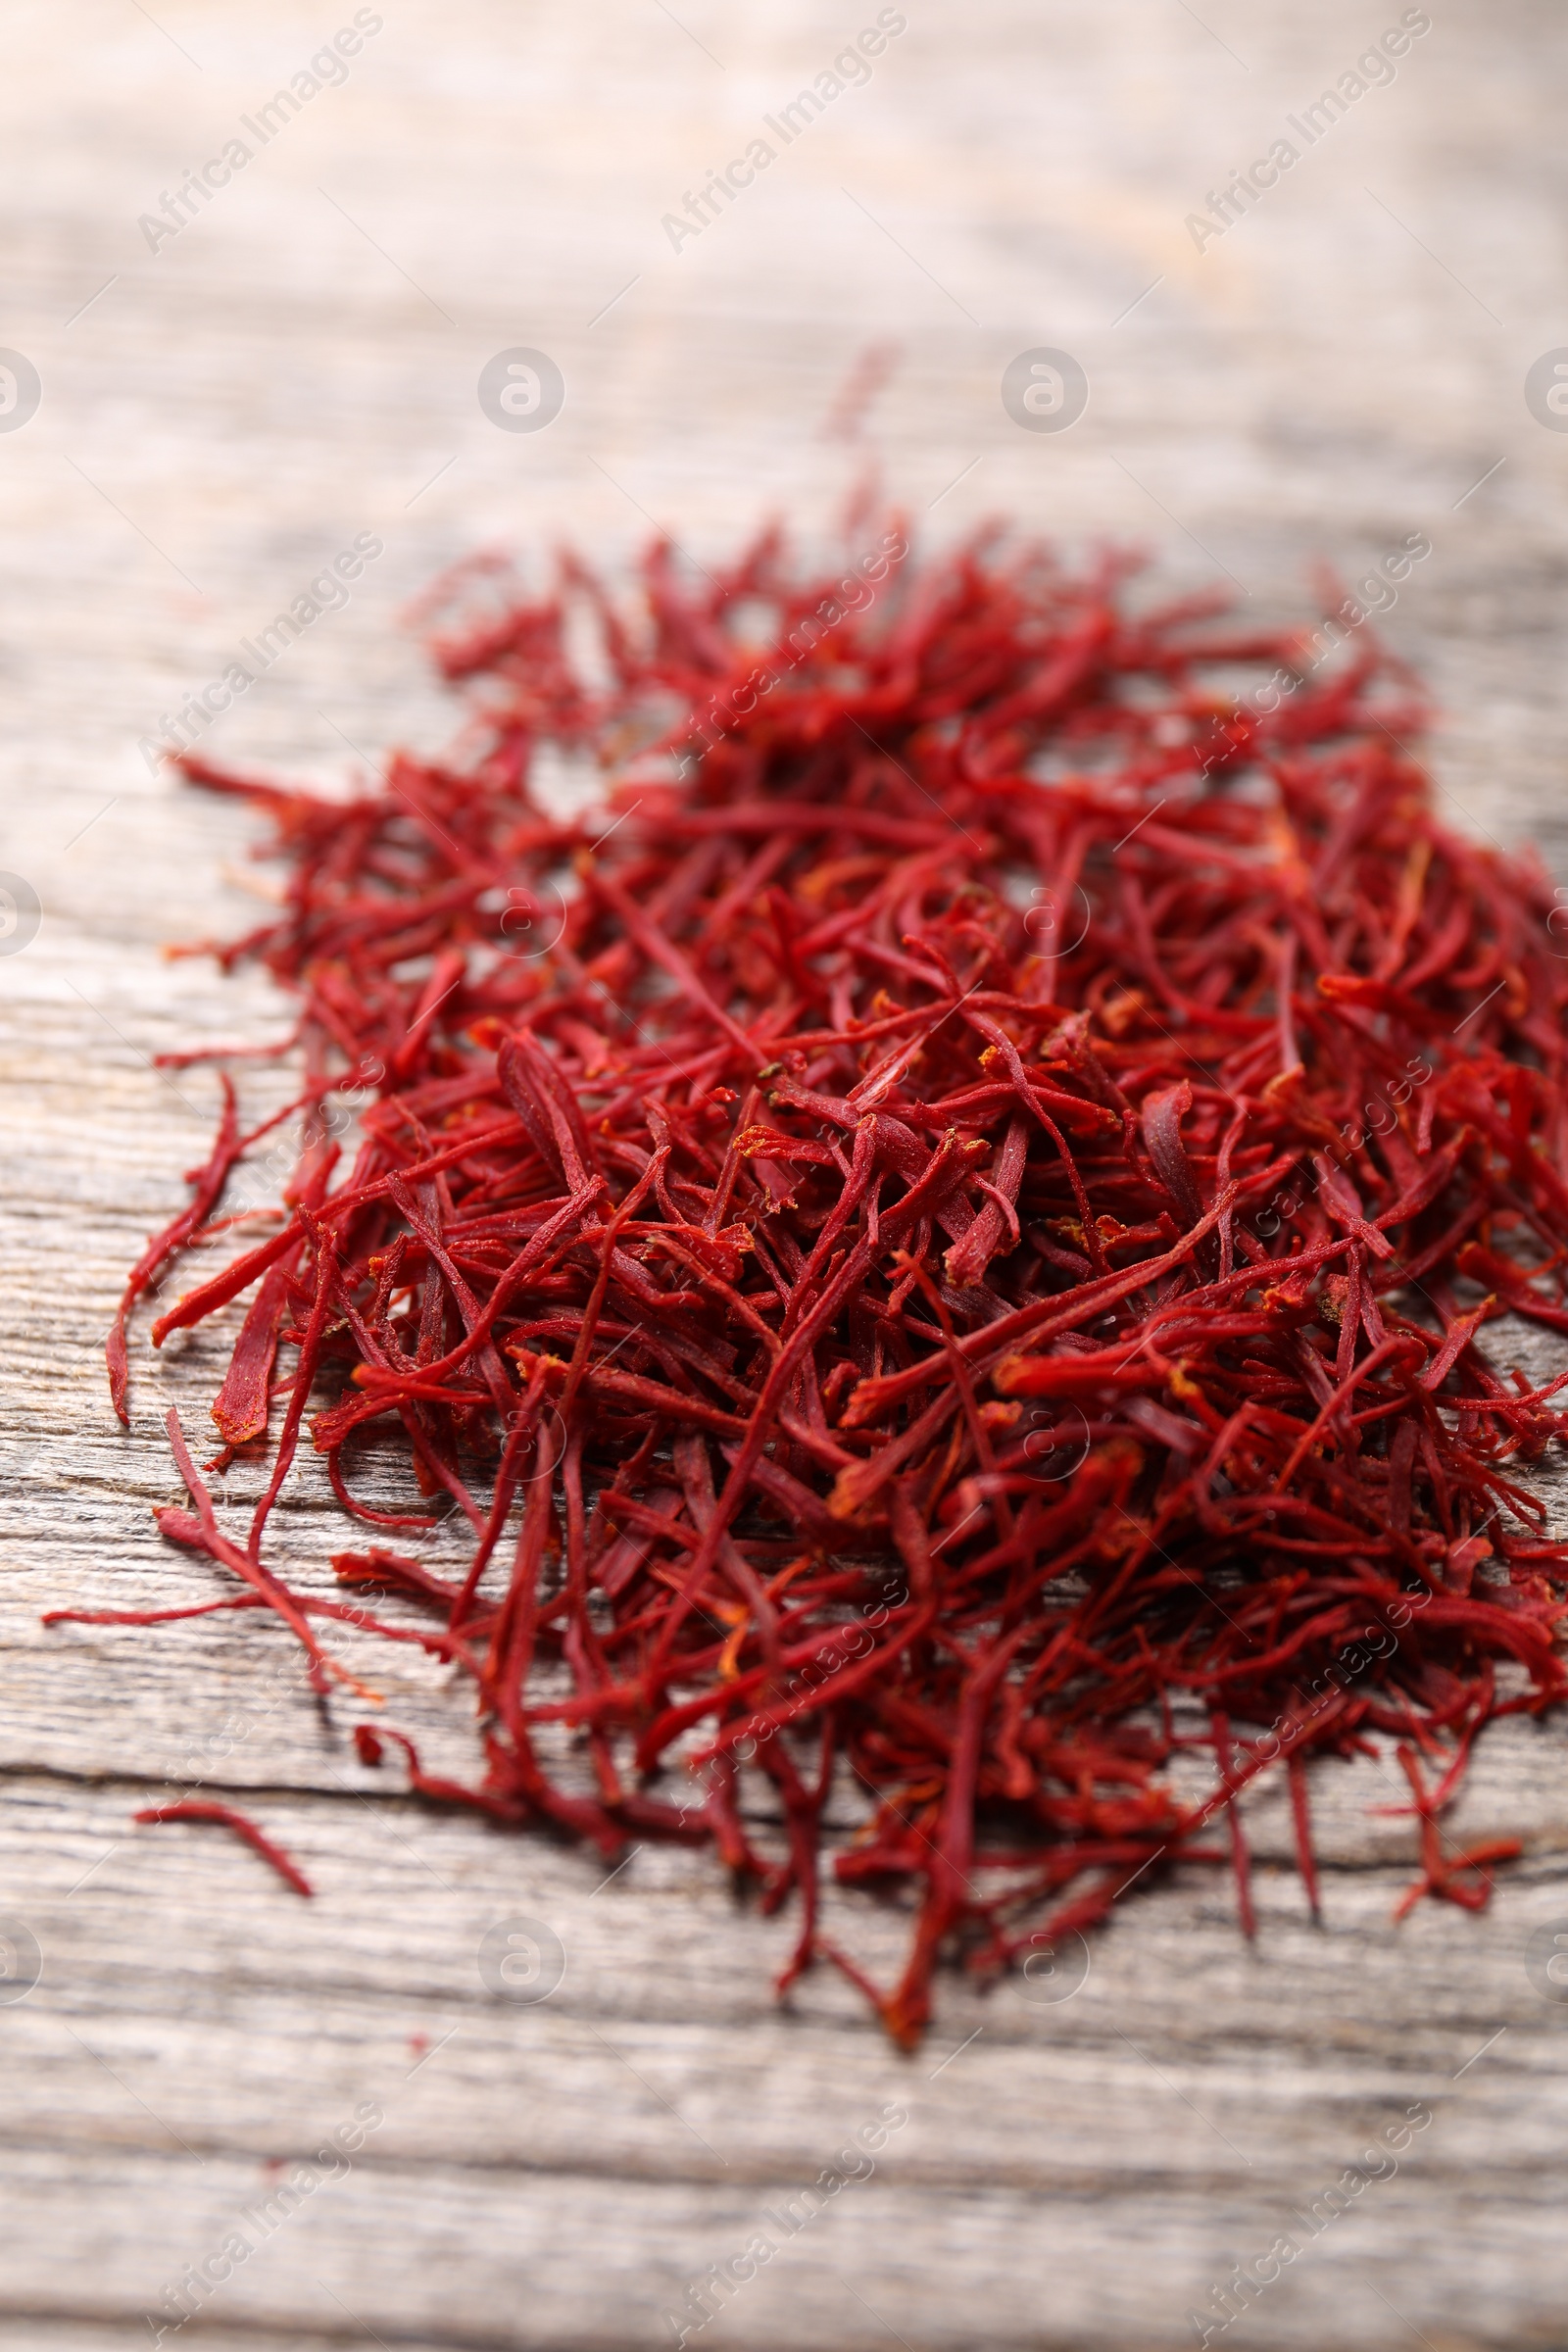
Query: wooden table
223, 410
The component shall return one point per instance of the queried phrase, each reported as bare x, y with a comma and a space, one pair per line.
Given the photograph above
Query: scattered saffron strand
1301, 1819
207, 1188
940, 1248
1241, 1857
196, 1810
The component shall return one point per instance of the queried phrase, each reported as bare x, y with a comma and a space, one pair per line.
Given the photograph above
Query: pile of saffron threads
939, 1238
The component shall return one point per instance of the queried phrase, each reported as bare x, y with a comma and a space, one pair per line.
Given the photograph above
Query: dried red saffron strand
191, 1809
940, 1241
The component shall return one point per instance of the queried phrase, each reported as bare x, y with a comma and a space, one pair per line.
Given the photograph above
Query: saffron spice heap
941, 1235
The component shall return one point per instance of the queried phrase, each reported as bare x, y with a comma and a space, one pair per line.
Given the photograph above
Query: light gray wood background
299, 365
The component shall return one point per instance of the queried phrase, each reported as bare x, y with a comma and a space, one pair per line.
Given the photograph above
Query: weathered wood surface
296, 367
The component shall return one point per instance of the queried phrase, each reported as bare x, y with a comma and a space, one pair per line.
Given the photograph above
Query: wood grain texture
299, 365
